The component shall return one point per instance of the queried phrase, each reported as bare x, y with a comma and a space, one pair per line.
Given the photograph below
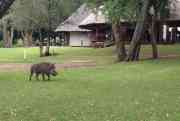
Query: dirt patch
172, 56
161, 56
24, 67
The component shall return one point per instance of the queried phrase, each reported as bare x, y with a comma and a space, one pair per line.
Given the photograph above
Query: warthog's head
53, 70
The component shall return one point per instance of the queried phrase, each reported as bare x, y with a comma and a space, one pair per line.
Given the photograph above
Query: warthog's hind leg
30, 77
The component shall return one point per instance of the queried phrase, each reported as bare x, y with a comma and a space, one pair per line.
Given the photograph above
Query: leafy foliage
119, 10
34, 14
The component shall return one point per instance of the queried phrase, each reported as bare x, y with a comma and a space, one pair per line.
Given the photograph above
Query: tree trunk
4, 6
7, 36
27, 38
11, 37
23, 37
41, 48
47, 49
137, 52
153, 38
120, 44
136, 40
40, 35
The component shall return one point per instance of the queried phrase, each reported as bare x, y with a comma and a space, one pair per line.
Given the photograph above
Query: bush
19, 43
1, 44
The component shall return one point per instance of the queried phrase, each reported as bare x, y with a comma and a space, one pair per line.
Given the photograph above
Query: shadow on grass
50, 55
41, 80
52, 79
170, 57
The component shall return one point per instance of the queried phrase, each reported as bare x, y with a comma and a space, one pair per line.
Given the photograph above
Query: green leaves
34, 14
120, 10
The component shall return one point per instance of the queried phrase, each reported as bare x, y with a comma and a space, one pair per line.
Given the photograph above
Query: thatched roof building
173, 19
169, 27
175, 10
83, 27
72, 23
94, 18
70, 32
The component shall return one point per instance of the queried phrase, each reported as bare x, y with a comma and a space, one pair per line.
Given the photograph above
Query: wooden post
25, 54
97, 34
174, 33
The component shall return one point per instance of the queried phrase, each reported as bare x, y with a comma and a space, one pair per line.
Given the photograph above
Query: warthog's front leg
43, 77
37, 76
48, 75
30, 76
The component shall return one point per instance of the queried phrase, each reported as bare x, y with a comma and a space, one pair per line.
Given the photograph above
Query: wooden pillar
168, 35
97, 34
173, 35
158, 32
176, 34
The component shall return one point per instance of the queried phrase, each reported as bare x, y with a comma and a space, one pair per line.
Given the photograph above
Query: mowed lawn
65, 54
148, 90
62, 54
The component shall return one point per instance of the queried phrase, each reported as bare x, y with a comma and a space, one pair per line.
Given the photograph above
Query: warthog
43, 69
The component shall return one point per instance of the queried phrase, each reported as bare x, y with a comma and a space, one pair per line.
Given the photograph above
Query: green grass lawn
148, 90
101, 56
16, 55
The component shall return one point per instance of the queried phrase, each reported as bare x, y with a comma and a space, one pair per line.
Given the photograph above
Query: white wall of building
79, 39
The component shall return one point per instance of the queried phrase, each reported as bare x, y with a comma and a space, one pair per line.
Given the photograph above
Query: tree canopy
37, 13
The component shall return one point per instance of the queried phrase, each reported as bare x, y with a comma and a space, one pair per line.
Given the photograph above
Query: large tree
118, 11
4, 6
136, 10
8, 31
57, 11
31, 16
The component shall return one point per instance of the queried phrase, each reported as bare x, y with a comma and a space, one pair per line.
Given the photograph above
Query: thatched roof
85, 16
72, 23
95, 18
175, 10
